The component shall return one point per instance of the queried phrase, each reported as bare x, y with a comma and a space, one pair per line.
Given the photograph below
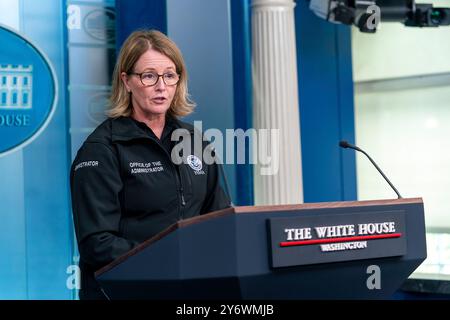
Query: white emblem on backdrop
16, 86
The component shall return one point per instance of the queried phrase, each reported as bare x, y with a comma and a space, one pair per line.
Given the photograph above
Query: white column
275, 99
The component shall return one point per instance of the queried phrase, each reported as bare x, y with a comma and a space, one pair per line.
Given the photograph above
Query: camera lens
436, 16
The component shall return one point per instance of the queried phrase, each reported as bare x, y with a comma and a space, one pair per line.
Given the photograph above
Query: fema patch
196, 164
28, 91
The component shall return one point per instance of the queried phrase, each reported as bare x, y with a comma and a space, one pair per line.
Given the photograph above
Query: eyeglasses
152, 78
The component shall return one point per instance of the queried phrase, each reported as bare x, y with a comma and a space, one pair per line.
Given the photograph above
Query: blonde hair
134, 46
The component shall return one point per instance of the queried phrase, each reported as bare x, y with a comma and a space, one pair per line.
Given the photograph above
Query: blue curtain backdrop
324, 65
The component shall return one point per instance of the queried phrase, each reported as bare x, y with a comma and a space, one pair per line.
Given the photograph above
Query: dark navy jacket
126, 189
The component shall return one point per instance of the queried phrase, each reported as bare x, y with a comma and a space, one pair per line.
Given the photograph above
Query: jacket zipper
177, 173
183, 203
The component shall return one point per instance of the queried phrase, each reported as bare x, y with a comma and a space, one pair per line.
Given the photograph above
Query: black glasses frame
157, 80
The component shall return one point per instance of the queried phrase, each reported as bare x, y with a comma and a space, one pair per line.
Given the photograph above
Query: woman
125, 186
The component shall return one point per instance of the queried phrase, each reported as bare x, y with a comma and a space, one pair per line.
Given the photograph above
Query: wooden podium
332, 250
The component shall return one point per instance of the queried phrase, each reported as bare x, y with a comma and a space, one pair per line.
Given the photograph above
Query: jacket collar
126, 128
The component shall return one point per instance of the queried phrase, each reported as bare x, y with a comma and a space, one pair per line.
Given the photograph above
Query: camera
366, 14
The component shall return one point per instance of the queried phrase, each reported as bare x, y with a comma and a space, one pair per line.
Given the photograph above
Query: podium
330, 250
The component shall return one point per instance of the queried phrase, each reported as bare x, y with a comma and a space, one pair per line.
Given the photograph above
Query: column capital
257, 4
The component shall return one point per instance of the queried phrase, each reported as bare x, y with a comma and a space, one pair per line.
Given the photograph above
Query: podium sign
332, 238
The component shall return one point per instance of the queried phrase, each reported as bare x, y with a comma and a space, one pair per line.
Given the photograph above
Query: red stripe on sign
334, 240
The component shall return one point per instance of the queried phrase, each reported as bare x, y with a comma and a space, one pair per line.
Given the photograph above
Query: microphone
345, 145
